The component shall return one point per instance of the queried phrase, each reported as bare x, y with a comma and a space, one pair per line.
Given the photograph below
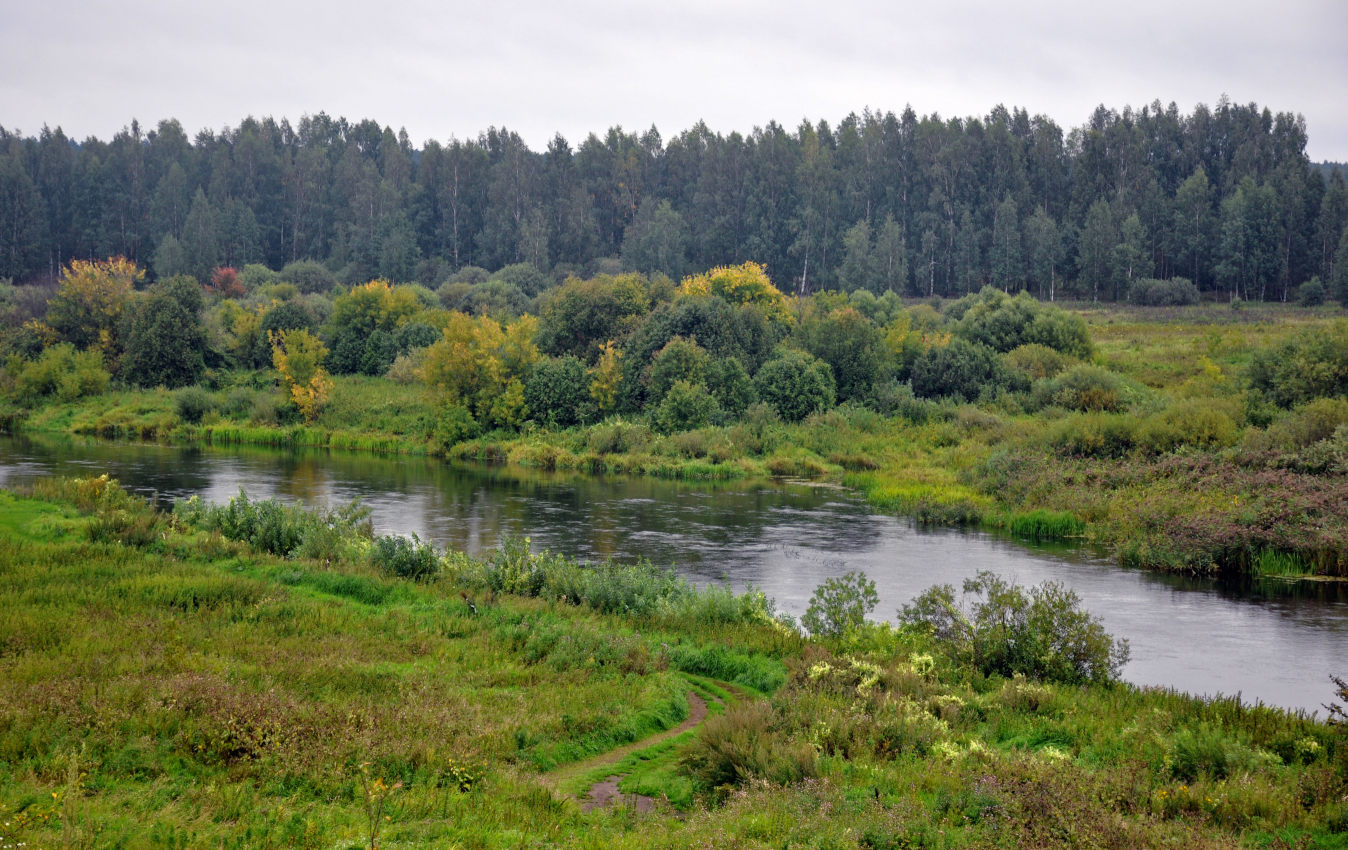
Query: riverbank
164, 685
1183, 471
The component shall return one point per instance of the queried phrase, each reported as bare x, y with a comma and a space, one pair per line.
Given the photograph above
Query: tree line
1223, 200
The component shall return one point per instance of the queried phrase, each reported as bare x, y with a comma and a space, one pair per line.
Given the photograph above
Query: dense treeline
1222, 200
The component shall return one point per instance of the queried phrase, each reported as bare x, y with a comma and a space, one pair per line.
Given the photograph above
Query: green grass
181, 689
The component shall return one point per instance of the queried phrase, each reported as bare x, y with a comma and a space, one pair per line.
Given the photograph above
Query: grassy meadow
254, 676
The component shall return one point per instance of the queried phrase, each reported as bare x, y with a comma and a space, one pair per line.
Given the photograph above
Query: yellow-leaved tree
747, 283
88, 306
298, 356
606, 377
480, 365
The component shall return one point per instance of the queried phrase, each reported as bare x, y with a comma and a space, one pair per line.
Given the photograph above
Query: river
1269, 642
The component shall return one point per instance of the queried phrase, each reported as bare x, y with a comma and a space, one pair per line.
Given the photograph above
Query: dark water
1275, 643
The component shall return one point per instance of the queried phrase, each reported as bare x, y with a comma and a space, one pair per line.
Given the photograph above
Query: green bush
743, 744
1201, 423
617, 436
1094, 435
408, 558
959, 370
840, 605
1001, 628
1083, 387
795, 384
59, 371
1035, 361
290, 531
557, 392
684, 407
1312, 293
1177, 291
453, 425
1002, 322
193, 403
1312, 365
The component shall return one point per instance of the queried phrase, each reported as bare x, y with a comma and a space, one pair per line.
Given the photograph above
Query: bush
193, 403
405, 558
1094, 435
286, 530
1314, 364
1150, 292
684, 407
1003, 629
454, 425
743, 744
840, 605
795, 384
60, 371
1201, 423
959, 370
1002, 323
1036, 361
557, 392
1312, 293
1083, 387
618, 437
308, 276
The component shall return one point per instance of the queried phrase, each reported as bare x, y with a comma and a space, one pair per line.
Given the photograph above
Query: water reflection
1271, 641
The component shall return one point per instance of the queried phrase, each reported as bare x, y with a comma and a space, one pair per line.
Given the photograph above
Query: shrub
557, 392
1312, 365
285, 530
617, 436
1001, 628
1202, 423
59, 371
453, 425
405, 558
1083, 387
1312, 293
193, 403
684, 407
1094, 435
959, 370
795, 384
743, 744
1174, 292
308, 276
840, 605
1036, 361
1001, 322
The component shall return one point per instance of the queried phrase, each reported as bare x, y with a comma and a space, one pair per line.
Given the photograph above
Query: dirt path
697, 712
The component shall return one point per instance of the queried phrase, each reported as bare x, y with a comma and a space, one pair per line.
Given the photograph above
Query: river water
1271, 642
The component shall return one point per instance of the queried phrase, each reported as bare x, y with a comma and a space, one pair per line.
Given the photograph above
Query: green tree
1000, 628
686, 406
165, 345
656, 240
200, 239
1191, 233
1008, 269
557, 392
890, 258
840, 605
1095, 247
795, 384
90, 300
1044, 252
23, 226
1129, 257
858, 265
851, 345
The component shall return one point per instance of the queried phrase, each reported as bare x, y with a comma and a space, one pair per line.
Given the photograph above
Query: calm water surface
1274, 643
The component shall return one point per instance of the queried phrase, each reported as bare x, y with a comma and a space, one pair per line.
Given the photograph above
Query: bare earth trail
605, 793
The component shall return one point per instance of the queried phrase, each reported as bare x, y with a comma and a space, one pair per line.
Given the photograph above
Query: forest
1223, 200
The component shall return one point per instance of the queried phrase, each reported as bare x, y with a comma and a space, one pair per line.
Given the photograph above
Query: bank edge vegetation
254, 675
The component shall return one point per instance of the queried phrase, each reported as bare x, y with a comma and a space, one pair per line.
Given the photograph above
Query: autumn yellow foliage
298, 356
747, 283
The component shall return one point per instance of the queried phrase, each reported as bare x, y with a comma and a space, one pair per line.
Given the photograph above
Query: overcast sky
443, 69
